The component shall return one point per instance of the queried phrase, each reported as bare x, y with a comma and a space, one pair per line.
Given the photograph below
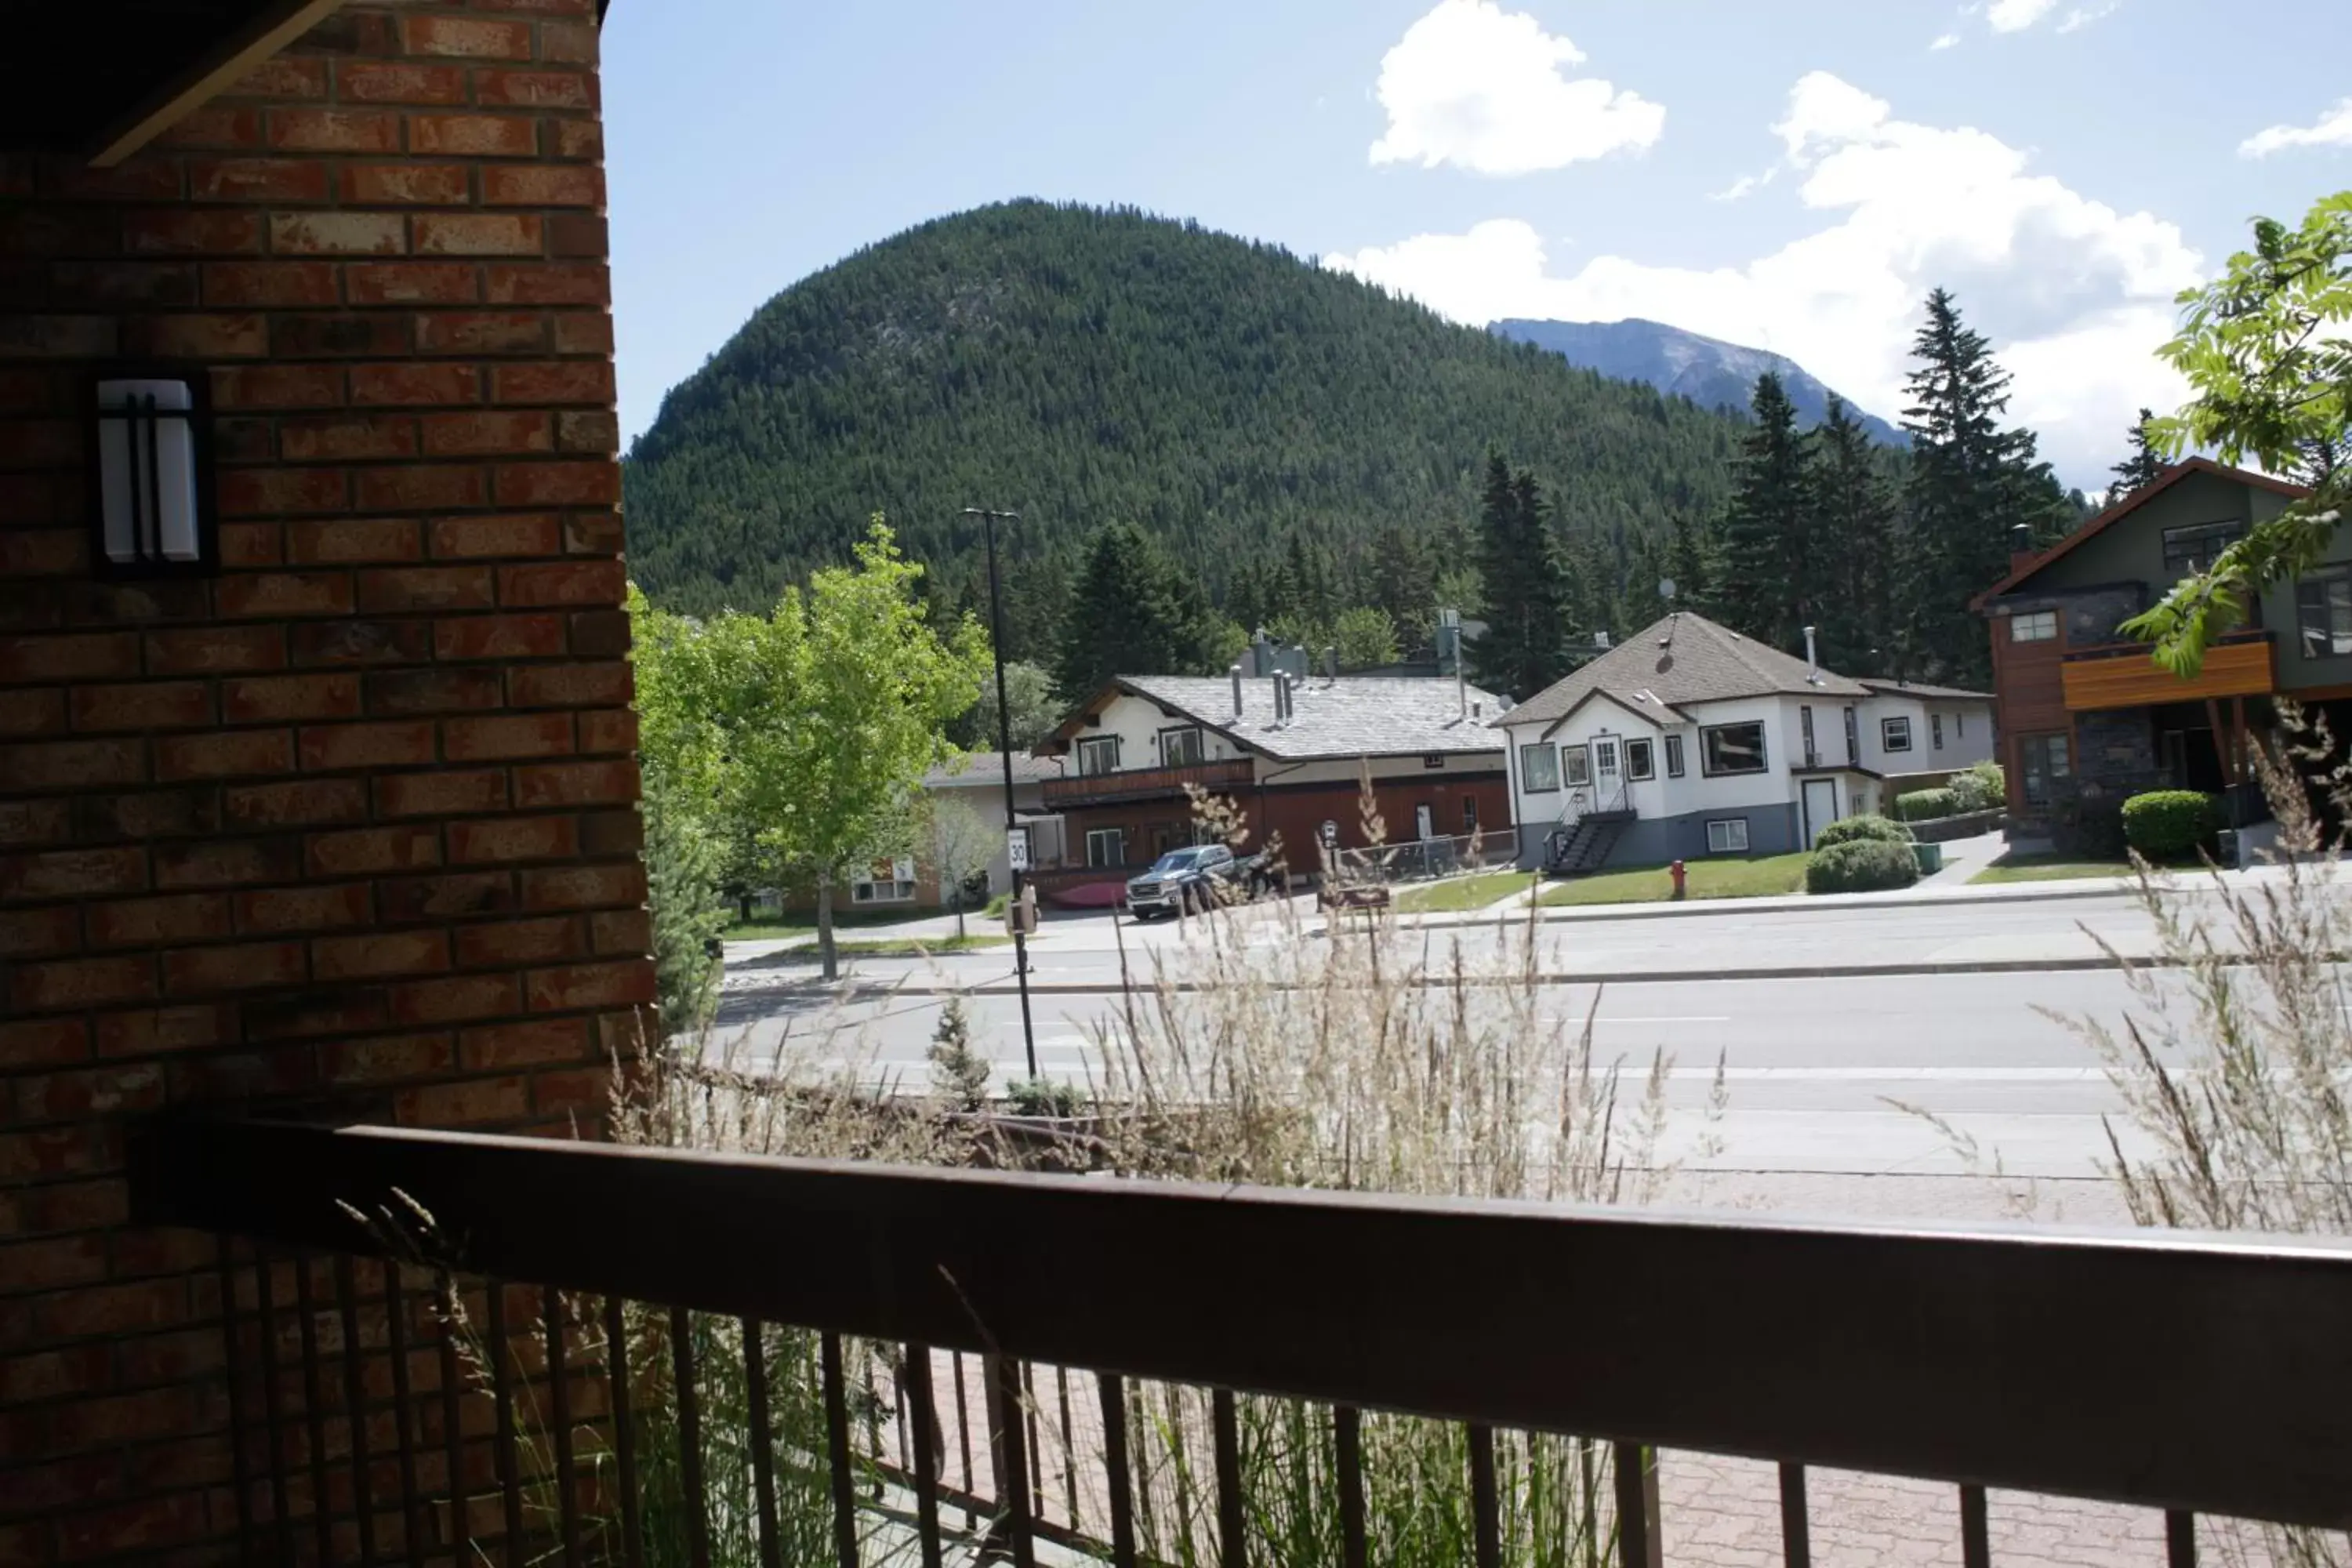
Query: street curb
1661, 910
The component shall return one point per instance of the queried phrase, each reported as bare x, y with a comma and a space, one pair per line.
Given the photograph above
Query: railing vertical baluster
502, 1391
836, 1432
1348, 1445
963, 1438
1115, 1477
453, 1423
395, 1330
233, 1366
1004, 1440
273, 1402
690, 1436
1637, 1507
355, 1403
1069, 1446
1796, 1530
1589, 1467
763, 1440
558, 1412
1486, 1510
1975, 1536
306, 1305
2180, 1539
624, 1434
1036, 1450
1233, 1543
924, 1438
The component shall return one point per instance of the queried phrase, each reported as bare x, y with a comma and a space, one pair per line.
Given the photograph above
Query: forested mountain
1255, 414
1709, 371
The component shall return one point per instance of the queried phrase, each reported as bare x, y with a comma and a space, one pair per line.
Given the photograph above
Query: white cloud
2016, 15
1744, 185
2081, 16
1945, 41
2333, 128
2075, 294
1473, 85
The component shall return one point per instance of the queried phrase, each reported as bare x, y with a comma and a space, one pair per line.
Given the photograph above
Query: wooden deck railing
1142, 783
2178, 1372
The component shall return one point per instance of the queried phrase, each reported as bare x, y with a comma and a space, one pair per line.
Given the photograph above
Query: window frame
1887, 726
1119, 835
1935, 732
1646, 769
1726, 824
902, 888
2034, 785
2193, 547
1675, 764
1580, 776
1469, 814
1707, 751
2322, 579
1805, 724
1549, 753
1853, 736
2034, 625
1200, 746
1095, 743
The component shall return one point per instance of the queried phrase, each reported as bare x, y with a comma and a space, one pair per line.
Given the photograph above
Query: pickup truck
1185, 880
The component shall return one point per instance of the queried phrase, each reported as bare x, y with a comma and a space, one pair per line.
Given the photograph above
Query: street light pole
988, 521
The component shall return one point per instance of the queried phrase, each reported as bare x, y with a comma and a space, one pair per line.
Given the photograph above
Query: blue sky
1792, 175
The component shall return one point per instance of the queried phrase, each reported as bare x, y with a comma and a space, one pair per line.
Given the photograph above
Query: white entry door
1606, 779
1425, 822
1821, 807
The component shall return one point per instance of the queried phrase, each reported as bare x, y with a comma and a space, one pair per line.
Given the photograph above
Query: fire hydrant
1678, 873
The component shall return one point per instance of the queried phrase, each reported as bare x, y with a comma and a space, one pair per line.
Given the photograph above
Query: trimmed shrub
1861, 866
1980, 788
1926, 805
1861, 830
2170, 823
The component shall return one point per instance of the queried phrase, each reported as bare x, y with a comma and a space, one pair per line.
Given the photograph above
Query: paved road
1811, 1063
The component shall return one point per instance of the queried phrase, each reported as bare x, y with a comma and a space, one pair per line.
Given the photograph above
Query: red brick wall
350, 827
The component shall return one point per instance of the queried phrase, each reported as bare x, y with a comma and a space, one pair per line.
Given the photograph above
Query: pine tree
1525, 646
1403, 582
1971, 484
1130, 613
1693, 564
1769, 580
1854, 516
2141, 467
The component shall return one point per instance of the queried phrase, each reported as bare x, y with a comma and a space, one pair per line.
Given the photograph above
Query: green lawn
1724, 878
1462, 892
2047, 868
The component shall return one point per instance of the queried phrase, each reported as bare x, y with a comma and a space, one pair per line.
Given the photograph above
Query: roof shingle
1680, 659
1358, 716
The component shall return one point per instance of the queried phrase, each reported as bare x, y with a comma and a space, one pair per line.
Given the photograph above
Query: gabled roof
1679, 660
2100, 523
1921, 688
1354, 716
986, 770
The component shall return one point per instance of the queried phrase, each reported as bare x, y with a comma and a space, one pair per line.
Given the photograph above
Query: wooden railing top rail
2166, 1369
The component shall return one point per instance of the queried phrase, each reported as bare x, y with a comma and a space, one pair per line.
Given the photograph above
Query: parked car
1193, 878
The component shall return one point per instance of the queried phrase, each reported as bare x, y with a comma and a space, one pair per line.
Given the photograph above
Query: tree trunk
959, 910
824, 924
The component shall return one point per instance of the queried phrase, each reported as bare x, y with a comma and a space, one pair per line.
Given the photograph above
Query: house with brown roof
2084, 708
1690, 740
1289, 749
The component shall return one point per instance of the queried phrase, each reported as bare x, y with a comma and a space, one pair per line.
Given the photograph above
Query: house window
1895, 733
1854, 805
887, 882
1936, 730
2323, 609
2039, 626
1181, 748
1469, 814
1674, 756
1538, 768
1852, 738
1728, 835
2043, 759
1580, 766
1098, 755
2194, 547
1805, 717
1105, 846
1959, 726
1732, 748
1640, 762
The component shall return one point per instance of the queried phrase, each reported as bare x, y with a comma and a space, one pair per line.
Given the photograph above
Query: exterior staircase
1585, 835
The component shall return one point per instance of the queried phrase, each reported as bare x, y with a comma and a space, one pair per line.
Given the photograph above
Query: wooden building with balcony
2082, 708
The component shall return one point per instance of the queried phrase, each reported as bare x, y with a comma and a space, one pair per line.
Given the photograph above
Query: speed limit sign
1016, 849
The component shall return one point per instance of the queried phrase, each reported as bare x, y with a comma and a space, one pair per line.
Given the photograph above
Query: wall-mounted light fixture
154, 516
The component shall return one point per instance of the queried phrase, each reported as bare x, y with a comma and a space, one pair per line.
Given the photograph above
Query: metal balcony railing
1142, 783
2183, 1373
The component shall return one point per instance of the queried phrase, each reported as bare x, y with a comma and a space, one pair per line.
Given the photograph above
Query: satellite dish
1667, 588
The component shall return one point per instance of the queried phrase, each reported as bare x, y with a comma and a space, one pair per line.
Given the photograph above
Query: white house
1690, 740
